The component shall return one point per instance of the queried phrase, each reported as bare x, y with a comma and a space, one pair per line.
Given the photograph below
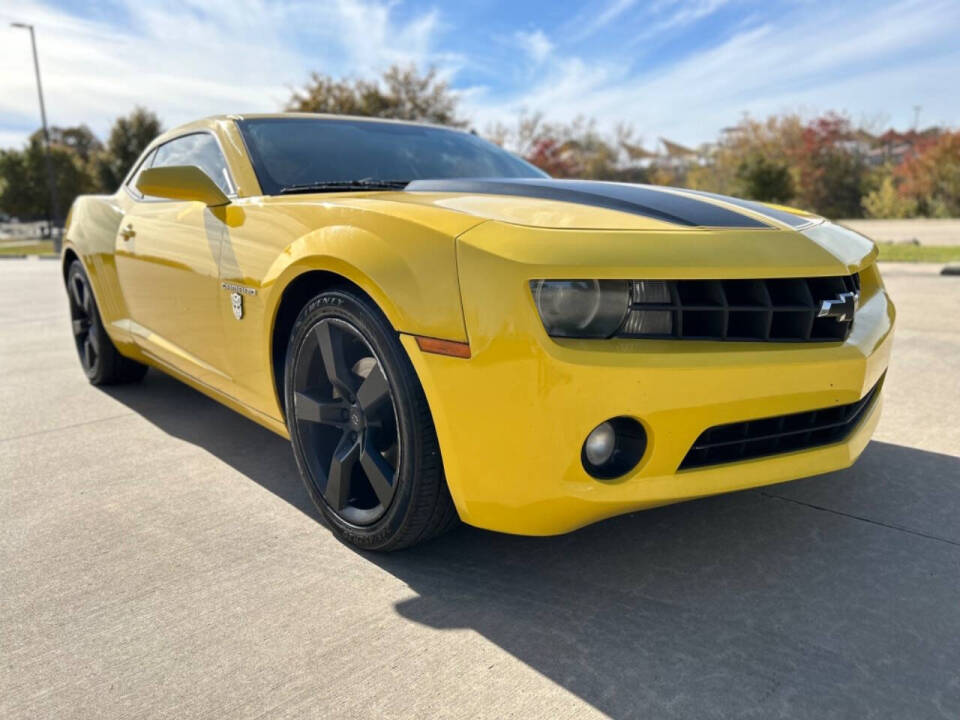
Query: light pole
53, 215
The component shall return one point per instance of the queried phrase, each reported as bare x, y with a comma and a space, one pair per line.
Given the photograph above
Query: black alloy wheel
361, 429
345, 411
84, 321
102, 363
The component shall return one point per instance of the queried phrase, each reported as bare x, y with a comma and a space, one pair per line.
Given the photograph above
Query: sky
681, 69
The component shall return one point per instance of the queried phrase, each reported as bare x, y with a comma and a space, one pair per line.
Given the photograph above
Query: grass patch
908, 252
41, 247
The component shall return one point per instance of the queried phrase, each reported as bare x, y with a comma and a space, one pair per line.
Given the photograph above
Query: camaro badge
236, 297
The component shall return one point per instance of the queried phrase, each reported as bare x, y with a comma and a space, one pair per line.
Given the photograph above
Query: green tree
401, 93
761, 178
129, 136
80, 139
24, 192
753, 159
886, 202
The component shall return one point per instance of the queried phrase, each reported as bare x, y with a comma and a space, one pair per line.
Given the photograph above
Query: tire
362, 432
102, 363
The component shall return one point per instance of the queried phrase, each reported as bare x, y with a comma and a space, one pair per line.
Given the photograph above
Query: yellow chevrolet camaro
443, 331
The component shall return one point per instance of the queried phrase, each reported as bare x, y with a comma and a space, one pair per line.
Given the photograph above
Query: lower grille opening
775, 435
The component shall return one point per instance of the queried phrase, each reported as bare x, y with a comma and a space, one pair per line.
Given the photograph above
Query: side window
199, 149
132, 184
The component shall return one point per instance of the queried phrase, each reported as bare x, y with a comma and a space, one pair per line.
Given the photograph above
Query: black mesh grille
771, 436
774, 310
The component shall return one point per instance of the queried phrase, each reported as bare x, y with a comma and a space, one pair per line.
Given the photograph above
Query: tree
568, 150
831, 176
129, 137
80, 139
753, 159
886, 202
24, 191
761, 178
931, 175
550, 155
401, 93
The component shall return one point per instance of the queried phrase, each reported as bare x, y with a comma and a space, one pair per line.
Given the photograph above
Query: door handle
127, 232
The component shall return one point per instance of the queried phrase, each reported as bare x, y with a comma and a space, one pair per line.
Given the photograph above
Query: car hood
570, 222
585, 204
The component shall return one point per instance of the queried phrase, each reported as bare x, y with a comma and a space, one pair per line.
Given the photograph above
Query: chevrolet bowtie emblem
842, 308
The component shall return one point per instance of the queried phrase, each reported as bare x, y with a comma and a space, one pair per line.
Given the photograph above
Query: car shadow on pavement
834, 596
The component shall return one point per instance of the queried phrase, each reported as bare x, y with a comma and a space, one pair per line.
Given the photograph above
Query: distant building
676, 156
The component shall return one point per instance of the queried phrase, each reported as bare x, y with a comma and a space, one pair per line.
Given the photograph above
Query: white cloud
832, 58
685, 14
536, 44
190, 58
590, 23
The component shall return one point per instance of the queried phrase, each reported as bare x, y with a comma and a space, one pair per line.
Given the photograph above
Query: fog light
600, 444
613, 448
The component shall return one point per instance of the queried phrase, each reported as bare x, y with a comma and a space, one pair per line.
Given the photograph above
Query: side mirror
181, 182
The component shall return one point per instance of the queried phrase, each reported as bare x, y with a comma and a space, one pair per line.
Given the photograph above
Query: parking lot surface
159, 558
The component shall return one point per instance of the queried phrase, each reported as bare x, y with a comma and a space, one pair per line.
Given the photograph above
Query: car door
167, 258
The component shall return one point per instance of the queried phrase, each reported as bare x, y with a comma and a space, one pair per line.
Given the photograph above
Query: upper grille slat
771, 310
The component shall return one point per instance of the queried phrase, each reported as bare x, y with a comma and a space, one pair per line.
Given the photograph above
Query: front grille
774, 435
773, 310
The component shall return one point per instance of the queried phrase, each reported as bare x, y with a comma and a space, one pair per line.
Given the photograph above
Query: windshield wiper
343, 185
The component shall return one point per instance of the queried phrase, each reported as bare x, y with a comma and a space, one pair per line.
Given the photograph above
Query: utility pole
53, 212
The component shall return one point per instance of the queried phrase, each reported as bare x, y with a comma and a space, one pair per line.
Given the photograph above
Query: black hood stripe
636, 199
788, 218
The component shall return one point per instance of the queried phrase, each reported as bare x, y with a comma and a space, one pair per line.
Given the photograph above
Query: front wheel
361, 430
101, 361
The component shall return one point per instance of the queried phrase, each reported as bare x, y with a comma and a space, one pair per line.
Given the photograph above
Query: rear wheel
99, 358
360, 426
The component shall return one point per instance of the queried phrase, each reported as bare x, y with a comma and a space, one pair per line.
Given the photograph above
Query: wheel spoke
312, 409
88, 353
374, 391
80, 326
76, 289
337, 491
379, 473
87, 302
94, 341
330, 341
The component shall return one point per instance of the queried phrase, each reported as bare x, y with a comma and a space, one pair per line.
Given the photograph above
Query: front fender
406, 265
413, 281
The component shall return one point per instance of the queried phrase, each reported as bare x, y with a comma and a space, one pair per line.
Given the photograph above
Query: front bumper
511, 420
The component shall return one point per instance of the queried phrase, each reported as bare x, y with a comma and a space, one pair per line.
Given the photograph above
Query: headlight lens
581, 308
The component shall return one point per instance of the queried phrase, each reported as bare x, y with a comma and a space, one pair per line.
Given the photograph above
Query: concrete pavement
927, 231
158, 558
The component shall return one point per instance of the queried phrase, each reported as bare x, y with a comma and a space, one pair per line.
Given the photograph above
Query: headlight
581, 308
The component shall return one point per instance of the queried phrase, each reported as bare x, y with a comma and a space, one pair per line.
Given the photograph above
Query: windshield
292, 151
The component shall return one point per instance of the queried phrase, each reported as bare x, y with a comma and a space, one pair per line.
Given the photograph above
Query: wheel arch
296, 293
69, 255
